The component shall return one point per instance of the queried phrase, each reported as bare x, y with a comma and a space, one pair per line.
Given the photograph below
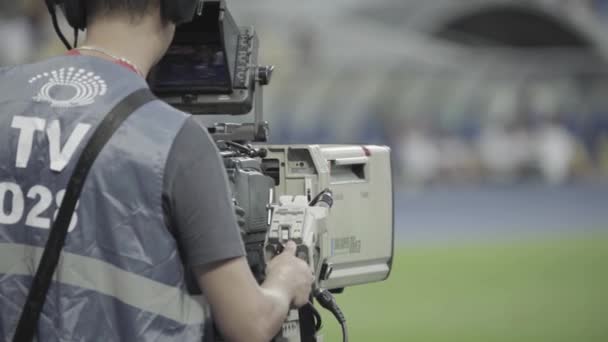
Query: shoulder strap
28, 323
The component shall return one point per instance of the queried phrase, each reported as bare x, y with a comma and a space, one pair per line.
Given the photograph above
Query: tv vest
120, 277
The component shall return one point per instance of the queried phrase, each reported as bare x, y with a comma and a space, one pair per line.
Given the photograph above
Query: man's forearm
243, 310
246, 311
278, 302
267, 312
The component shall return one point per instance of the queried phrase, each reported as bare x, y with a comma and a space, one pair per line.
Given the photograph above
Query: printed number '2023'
13, 202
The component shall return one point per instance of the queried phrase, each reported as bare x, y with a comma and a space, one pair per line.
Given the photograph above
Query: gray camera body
354, 243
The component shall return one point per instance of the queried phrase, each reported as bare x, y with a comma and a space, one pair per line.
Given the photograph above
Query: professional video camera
334, 201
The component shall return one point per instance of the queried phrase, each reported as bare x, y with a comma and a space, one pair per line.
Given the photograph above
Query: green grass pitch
549, 289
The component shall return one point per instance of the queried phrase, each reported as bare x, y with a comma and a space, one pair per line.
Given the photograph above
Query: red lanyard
126, 65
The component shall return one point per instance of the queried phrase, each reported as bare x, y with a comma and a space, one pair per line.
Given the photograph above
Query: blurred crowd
518, 134
530, 133
554, 133
552, 149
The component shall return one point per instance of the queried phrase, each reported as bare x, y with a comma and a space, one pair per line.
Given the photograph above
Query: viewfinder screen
196, 68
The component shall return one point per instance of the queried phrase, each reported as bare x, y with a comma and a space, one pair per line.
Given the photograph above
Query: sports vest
120, 277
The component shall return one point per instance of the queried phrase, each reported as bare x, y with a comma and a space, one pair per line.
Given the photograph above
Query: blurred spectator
505, 151
15, 35
556, 150
26, 32
420, 156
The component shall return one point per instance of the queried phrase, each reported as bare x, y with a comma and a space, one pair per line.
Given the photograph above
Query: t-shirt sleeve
197, 200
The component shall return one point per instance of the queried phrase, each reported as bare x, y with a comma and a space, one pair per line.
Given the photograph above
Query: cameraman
156, 205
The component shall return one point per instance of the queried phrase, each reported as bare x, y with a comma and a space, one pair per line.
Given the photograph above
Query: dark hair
133, 8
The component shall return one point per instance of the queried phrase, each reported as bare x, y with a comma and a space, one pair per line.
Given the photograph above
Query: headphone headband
176, 11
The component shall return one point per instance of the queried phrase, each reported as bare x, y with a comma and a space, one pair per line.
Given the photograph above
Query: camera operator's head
138, 30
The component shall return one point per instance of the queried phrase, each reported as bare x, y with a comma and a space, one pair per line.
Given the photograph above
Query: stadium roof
398, 30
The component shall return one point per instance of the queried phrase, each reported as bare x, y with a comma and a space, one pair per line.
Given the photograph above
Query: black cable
327, 301
249, 151
76, 31
344, 332
317, 316
53, 11
324, 196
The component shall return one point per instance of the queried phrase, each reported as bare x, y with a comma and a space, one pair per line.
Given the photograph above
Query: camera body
355, 243
335, 201
355, 246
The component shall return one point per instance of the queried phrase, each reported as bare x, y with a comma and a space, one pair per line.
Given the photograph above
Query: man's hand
245, 311
288, 270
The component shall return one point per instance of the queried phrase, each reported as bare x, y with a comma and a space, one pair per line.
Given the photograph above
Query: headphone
75, 11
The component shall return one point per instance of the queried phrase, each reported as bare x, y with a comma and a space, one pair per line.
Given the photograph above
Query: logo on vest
69, 87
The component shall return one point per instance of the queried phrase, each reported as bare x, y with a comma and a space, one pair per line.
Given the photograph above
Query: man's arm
245, 311
200, 212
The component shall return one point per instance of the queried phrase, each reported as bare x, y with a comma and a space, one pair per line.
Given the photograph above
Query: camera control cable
324, 297
327, 301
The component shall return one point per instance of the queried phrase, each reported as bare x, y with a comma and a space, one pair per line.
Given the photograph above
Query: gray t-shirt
196, 199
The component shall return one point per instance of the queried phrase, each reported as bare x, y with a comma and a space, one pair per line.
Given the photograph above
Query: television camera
334, 201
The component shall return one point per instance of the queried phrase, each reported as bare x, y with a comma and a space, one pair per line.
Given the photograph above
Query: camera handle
259, 130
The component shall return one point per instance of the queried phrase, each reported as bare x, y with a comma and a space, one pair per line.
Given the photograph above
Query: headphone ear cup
179, 11
75, 13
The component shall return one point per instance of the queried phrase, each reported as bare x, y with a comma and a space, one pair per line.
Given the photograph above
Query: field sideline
541, 289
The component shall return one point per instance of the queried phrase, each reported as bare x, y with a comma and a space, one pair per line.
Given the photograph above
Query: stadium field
537, 289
